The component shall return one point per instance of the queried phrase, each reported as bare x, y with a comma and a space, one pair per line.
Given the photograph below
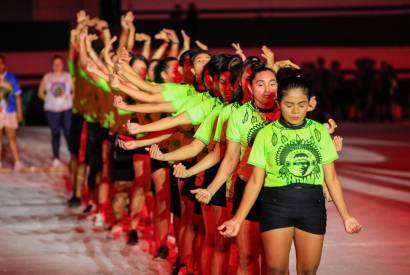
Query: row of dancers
219, 142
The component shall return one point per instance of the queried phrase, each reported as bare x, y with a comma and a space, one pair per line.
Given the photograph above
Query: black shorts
77, 121
296, 205
155, 164
175, 207
121, 163
93, 155
189, 183
239, 189
219, 198
158, 164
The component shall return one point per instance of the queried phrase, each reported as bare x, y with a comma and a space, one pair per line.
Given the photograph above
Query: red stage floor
39, 235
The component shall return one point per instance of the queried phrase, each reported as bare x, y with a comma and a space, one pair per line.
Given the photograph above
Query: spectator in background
321, 89
11, 111
191, 21
177, 18
386, 107
56, 91
336, 91
365, 89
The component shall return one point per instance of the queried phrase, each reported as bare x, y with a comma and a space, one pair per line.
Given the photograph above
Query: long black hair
252, 62
294, 82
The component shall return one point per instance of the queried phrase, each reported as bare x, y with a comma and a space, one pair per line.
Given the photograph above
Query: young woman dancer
224, 69
291, 158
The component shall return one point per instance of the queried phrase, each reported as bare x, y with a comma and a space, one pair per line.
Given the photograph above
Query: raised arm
102, 26
276, 65
133, 92
127, 72
239, 51
93, 55
201, 45
125, 28
173, 38
186, 43
161, 50
146, 48
131, 36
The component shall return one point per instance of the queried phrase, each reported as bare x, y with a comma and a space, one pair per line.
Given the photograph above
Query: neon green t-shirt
184, 103
173, 91
243, 125
103, 85
291, 155
205, 132
197, 114
223, 119
71, 68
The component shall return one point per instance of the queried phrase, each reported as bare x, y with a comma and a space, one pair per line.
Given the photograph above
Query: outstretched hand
162, 36
269, 56
186, 38
229, 228
338, 142
331, 126
202, 195
155, 152
114, 81
141, 37
82, 16
120, 103
133, 128
201, 45
285, 64
172, 36
127, 145
352, 225
238, 50
180, 171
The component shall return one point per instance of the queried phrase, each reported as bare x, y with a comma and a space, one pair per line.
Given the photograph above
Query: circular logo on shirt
58, 89
253, 132
299, 160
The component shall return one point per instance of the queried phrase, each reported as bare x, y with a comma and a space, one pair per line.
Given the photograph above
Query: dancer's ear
312, 103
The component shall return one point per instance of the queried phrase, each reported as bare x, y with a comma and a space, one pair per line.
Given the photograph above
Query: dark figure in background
309, 72
177, 18
387, 108
191, 21
365, 90
337, 94
321, 89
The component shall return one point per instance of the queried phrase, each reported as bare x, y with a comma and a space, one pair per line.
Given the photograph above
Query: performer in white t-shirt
56, 90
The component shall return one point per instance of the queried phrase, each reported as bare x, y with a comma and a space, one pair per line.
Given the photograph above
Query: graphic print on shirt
58, 89
299, 159
5, 91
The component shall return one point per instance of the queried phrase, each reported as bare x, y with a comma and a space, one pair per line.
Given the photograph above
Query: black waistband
295, 186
